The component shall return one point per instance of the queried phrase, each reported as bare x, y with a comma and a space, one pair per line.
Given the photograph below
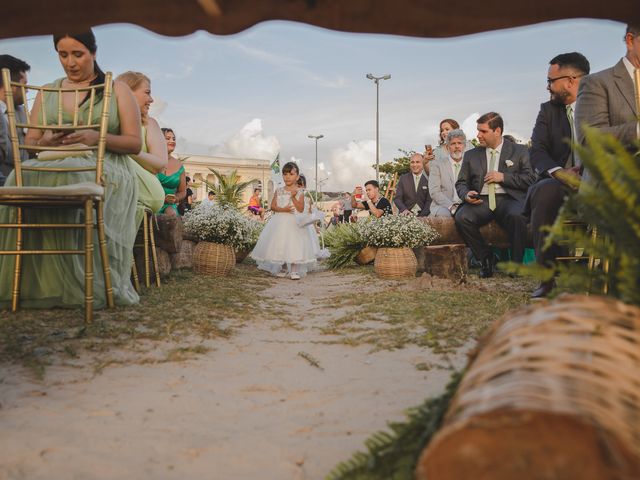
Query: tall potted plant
220, 230
229, 189
395, 236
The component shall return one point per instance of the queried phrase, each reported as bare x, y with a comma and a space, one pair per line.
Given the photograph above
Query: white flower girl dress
283, 244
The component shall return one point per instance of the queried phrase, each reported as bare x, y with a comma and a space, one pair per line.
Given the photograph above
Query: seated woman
172, 178
58, 280
255, 204
152, 158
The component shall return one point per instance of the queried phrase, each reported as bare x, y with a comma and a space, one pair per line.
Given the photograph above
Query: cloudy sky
265, 90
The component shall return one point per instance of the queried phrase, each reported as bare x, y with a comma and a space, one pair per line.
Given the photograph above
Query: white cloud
351, 165
250, 142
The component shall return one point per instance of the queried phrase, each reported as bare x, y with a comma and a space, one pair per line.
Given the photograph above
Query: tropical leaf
229, 189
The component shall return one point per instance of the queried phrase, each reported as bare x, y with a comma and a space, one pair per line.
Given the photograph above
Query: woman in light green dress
152, 159
58, 280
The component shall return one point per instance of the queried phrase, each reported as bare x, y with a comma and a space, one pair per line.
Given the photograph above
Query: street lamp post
316, 137
377, 82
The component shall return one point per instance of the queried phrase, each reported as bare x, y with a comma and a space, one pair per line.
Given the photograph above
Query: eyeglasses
551, 80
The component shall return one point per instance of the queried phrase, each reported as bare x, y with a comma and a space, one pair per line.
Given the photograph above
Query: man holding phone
493, 183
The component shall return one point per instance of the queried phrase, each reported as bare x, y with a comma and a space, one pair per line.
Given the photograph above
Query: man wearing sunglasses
551, 155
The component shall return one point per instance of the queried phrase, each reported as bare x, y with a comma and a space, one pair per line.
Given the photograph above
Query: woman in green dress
58, 280
152, 159
173, 178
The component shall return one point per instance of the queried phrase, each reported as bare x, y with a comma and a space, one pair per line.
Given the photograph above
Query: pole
316, 169
377, 130
377, 82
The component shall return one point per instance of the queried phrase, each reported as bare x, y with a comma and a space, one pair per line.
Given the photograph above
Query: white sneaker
295, 276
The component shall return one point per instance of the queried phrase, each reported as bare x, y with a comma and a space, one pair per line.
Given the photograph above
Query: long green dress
58, 280
150, 191
170, 183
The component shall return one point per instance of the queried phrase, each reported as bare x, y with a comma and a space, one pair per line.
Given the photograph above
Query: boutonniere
509, 163
424, 187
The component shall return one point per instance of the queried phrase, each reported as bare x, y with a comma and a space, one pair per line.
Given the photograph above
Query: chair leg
134, 272
154, 254
88, 261
145, 234
15, 291
104, 256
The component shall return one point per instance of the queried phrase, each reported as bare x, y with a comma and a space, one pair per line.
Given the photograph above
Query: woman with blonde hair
152, 158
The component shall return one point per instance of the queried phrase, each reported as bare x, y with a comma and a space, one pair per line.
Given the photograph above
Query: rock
183, 258
169, 233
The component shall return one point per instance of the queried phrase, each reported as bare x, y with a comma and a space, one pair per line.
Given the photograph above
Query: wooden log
492, 233
444, 261
169, 233
183, 258
551, 392
164, 264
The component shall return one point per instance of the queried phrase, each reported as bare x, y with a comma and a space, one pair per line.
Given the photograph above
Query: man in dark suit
493, 183
18, 69
606, 99
412, 191
551, 155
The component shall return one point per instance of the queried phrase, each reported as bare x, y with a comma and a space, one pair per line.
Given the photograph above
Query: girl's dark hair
88, 39
289, 167
165, 130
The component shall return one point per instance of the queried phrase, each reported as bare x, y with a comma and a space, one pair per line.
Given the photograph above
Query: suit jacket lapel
505, 154
625, 84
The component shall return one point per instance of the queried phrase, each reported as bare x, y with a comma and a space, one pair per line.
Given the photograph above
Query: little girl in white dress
284, 248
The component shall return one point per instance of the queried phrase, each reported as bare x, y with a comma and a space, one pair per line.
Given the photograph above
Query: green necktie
416, 181
492, 186
456, 168
569, 163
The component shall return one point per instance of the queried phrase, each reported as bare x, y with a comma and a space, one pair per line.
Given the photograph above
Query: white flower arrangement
222, 224
396, 231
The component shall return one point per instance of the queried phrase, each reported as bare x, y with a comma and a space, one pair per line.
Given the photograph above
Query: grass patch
442, 320
187, 307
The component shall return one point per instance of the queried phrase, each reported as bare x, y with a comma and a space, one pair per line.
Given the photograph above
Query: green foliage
609, 203
398, 165
394, 455
344, 241
229, 189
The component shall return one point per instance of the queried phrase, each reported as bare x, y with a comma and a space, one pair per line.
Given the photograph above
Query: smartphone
428, 149
171, 196
475, 196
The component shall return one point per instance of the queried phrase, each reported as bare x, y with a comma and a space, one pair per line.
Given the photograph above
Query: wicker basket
366, 255
213, 259
553, 393
395, 263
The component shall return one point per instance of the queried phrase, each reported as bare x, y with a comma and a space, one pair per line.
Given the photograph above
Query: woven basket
395, 263
553, 393
213, 259
366, 255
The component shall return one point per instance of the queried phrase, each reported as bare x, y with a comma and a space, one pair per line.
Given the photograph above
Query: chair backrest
78, 123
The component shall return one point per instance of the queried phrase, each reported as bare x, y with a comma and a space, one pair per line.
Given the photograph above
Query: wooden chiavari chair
85, 196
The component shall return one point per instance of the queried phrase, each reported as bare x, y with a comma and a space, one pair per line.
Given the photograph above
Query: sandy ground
250, 408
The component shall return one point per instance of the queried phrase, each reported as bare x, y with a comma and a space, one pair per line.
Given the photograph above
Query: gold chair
148, 243
85, 196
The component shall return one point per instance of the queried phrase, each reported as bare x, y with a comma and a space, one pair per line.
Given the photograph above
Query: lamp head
386, 77
369, 76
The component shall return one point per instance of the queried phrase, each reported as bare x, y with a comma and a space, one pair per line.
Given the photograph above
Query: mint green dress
170, 183
58, 280
150, 191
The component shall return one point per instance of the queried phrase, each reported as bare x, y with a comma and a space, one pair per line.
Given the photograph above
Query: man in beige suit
606, 99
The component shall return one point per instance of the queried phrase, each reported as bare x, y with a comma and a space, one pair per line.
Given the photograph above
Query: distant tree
398, 165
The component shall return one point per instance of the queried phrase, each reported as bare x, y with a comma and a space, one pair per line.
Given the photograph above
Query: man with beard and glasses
444, 174
551, 155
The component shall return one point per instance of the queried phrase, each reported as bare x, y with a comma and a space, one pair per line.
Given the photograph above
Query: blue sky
264, 90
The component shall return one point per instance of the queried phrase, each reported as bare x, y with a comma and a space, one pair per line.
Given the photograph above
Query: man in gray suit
412, 192
493, 183
606, 99
444, 174
18, 69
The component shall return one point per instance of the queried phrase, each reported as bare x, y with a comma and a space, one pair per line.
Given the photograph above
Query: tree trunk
444, 261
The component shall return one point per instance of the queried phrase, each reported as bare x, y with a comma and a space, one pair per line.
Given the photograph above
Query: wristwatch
453, 208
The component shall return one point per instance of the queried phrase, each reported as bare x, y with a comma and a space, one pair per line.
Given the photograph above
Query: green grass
442, 319
186, 310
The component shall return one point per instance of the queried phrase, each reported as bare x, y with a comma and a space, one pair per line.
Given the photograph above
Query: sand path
252, 407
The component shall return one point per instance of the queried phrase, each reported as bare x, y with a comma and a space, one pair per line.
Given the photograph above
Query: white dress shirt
631, 69
485, 187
